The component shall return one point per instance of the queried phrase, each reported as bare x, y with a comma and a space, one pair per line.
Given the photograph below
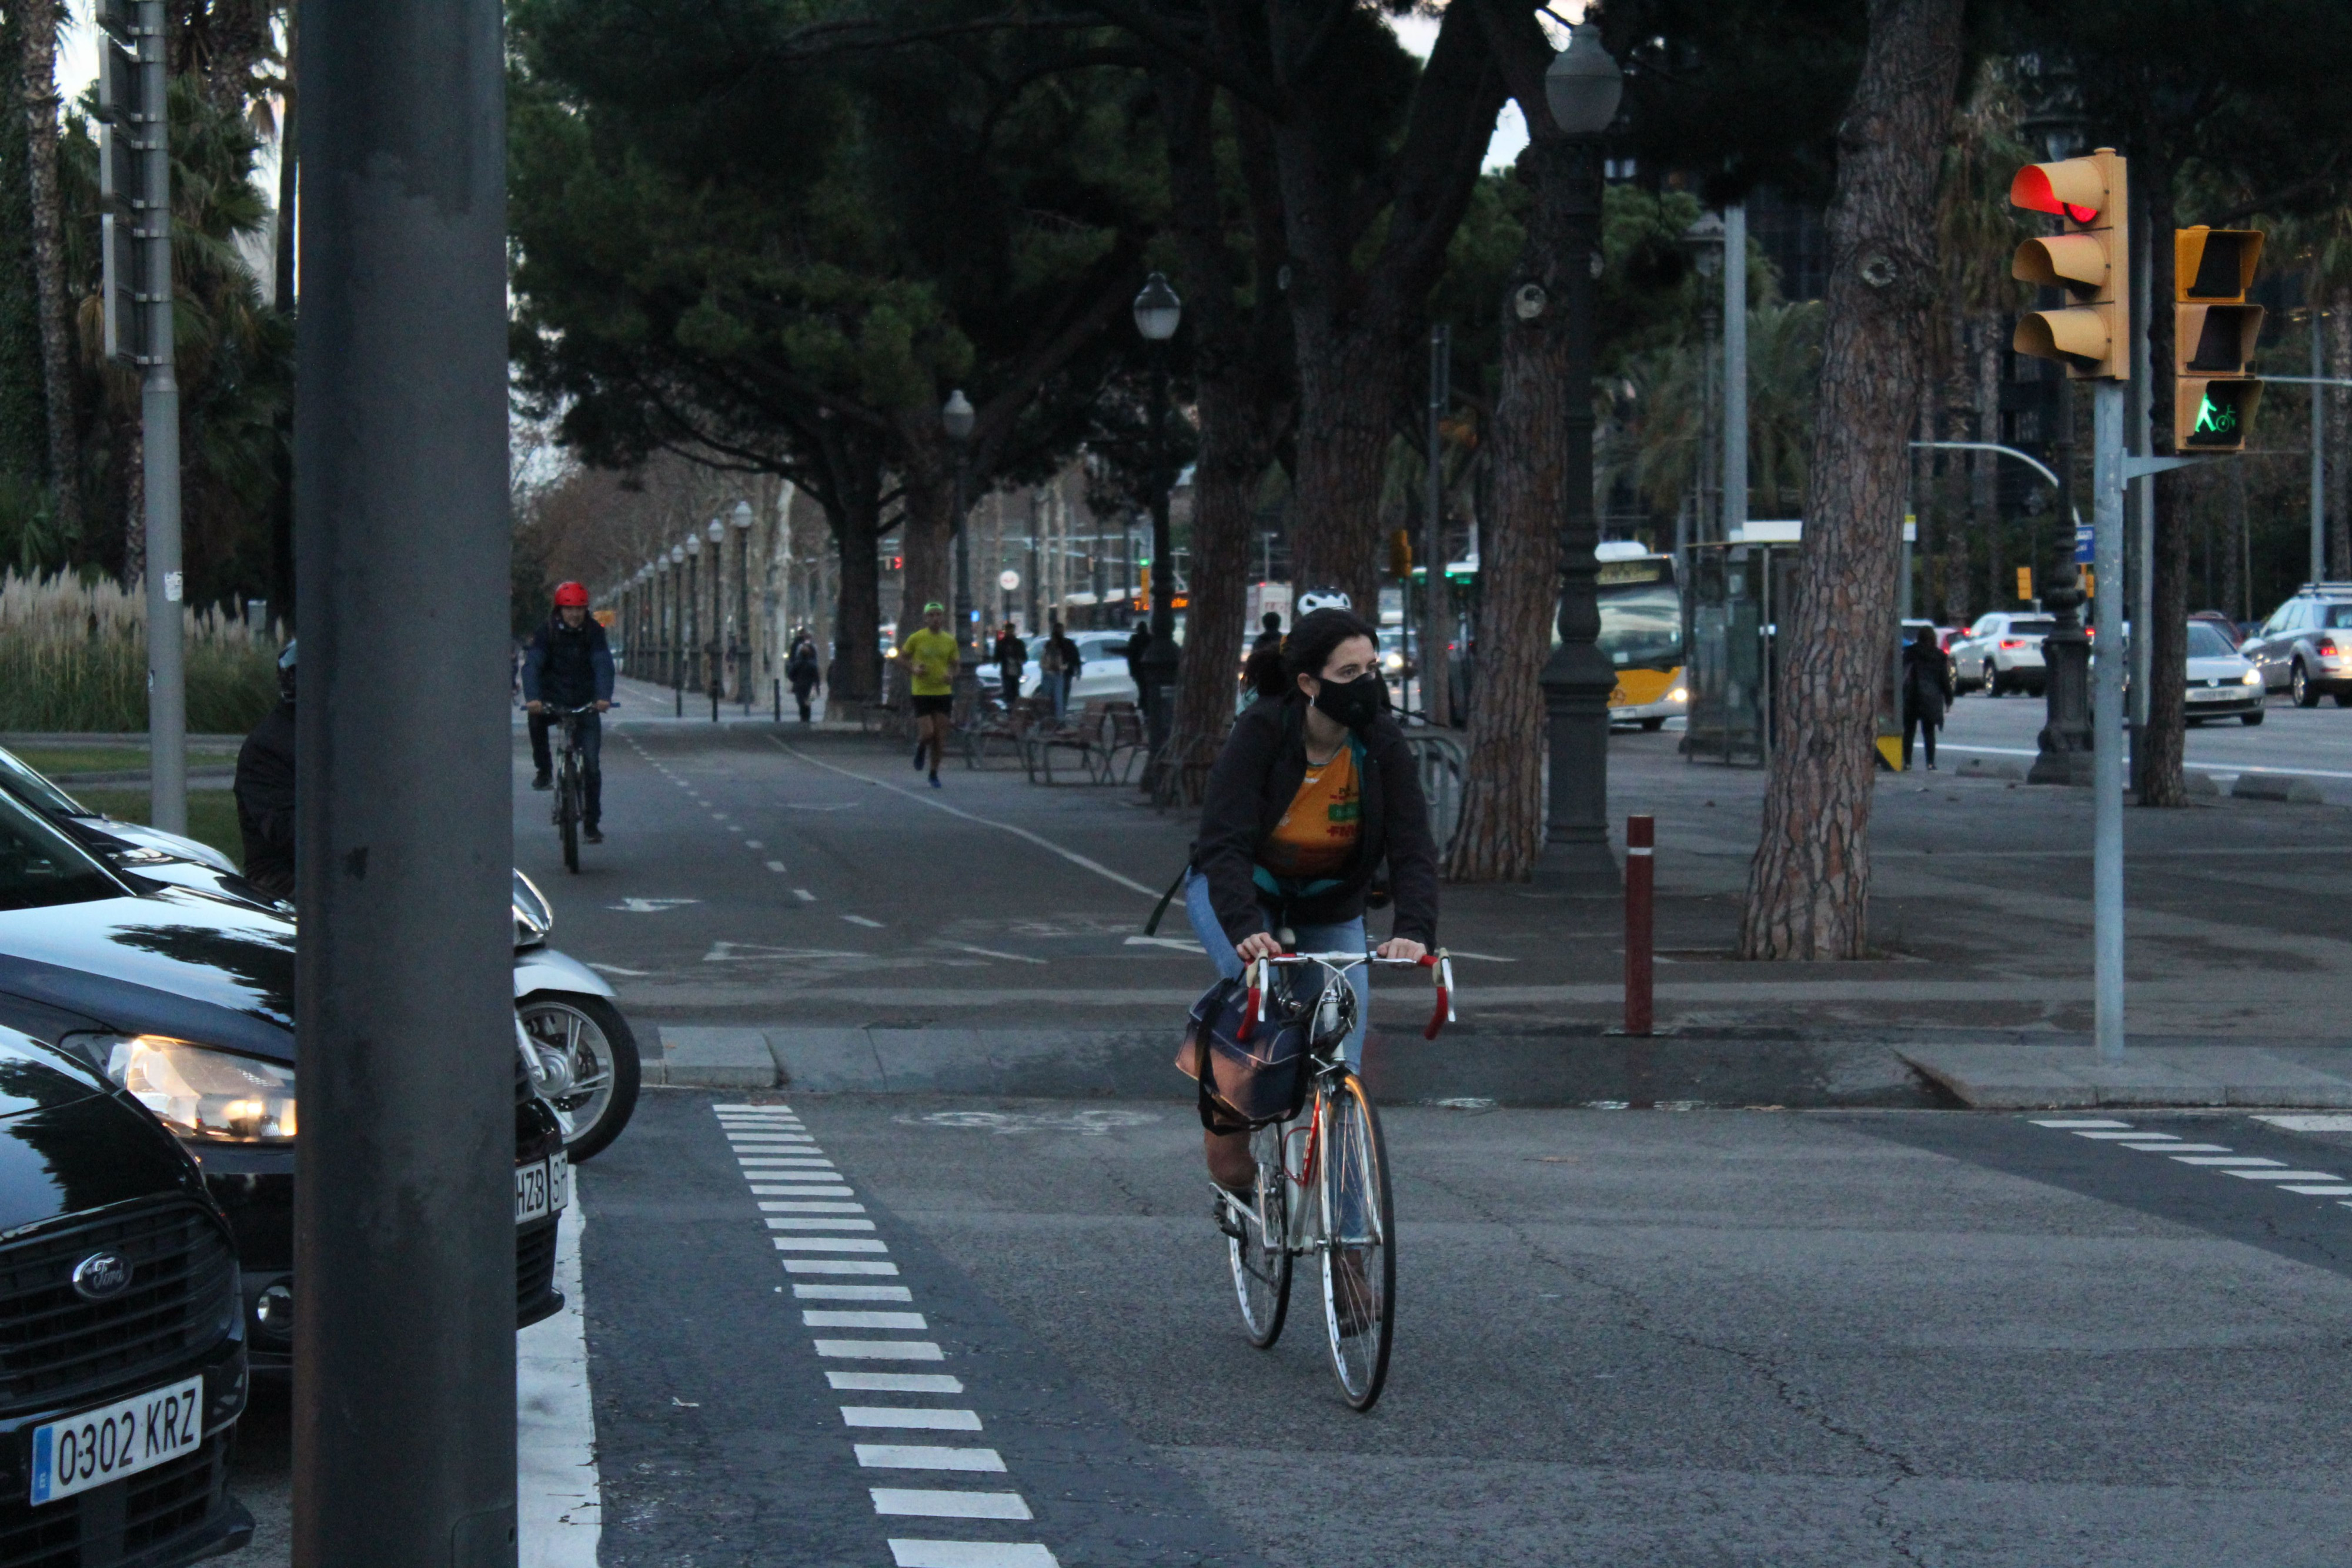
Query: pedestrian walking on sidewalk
801, 670
1310, 795
1011, 658
1262, 672
1060, 663
931, 657
1926, 692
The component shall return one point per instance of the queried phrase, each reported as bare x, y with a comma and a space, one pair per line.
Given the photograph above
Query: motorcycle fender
545, 970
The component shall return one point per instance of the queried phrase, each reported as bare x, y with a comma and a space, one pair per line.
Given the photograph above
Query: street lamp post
690, 627
1158, 313
741, 518
716, 641
1581, 89
956, 419
677, 630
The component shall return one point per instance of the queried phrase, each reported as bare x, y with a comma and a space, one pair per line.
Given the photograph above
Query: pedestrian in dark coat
1926, 692
801, 671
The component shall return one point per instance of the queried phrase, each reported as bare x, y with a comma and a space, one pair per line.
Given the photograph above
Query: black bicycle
571, 785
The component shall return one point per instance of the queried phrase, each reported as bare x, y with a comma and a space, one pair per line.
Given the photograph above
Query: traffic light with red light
2214, 335
2090, 258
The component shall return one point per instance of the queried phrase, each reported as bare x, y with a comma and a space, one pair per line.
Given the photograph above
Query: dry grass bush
73, 657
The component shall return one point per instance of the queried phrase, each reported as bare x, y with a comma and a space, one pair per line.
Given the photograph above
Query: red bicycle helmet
570, 593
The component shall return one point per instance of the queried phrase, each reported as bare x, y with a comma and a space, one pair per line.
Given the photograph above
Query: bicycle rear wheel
568, 809
1260, 1253
1359, 1251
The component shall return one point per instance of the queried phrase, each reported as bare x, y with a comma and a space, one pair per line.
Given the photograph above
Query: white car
2220, 683
1102, 675
2002, 652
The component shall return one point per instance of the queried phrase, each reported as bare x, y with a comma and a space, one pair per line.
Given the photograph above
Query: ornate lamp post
1158, 313
955, 421
714, 640
678, 628
1581, 89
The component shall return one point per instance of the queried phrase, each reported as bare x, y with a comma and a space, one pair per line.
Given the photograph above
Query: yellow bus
1641, 633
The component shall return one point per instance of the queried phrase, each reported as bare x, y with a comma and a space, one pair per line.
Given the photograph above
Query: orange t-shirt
1318, 835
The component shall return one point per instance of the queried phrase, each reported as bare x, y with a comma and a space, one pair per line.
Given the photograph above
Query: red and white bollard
1641, 841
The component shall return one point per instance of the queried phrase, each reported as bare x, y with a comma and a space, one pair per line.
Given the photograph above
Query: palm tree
38, 25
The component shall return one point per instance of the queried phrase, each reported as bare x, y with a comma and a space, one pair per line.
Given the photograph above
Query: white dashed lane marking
779, 1160
2217, 1157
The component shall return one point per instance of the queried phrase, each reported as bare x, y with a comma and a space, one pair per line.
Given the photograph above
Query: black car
186, 1001
123, 1349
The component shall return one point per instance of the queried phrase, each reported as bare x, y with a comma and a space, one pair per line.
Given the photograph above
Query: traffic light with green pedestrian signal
2214, 331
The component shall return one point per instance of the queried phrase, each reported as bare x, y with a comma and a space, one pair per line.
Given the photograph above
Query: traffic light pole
2107, 717
403, 1415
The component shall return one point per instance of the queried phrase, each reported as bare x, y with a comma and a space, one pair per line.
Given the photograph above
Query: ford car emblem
102, 1275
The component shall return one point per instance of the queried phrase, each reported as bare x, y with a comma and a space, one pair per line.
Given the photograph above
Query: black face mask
1353, 702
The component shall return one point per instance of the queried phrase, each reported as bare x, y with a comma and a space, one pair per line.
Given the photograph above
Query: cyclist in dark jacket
1310, 797
567, 665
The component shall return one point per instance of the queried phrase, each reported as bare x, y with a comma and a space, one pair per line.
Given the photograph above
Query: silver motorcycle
583, 1056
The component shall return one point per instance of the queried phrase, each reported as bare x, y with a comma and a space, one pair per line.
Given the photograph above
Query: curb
712, 1059
2290, 787
2067, 1078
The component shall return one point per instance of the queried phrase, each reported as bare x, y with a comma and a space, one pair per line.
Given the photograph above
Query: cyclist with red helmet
567, 665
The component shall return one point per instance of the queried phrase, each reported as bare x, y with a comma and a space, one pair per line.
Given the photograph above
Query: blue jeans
1055, 685
1346, 937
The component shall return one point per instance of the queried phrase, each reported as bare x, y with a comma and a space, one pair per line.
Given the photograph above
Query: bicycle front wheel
1359, 1250
1258, 1245
567, 814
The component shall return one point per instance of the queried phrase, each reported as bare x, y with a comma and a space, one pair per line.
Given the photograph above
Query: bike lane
784, 1372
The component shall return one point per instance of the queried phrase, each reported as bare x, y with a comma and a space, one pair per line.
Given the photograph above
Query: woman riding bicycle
1313, 792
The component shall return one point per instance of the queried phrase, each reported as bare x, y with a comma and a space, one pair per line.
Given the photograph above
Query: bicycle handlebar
1438, 961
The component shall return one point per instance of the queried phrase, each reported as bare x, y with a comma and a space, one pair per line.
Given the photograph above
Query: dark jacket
1263, 672
264, 801
800, 665
1137, 645
1256, 775
567, 668
1926, 681
1012, 651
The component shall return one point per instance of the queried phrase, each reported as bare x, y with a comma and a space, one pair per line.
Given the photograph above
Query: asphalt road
2315, 742
1628, 1338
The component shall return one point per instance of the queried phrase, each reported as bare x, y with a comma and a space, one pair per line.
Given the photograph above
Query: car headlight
204, 1093
1679, 695
2251, 678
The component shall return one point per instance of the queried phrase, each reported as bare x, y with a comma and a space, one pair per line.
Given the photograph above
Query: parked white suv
2002, 652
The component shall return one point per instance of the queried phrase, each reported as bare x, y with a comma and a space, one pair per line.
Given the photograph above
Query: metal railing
1442, 762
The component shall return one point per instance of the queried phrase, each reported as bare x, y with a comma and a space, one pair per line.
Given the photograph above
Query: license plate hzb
541, 1188
116, 1441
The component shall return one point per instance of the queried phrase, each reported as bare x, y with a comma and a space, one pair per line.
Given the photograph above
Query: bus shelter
1737, 590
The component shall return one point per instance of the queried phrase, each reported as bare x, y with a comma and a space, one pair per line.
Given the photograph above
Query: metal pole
1437, 623
2107, 717
2144, 491
403, 1414
1641, 891
1159, 657
2318, 458
964, 607
159, 417
1735, 369
743, 620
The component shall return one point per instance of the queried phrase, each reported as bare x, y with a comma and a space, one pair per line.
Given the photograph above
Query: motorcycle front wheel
586, 1064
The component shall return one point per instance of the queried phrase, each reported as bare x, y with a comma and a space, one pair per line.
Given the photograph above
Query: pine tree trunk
851, 677
1206, 683
1984, 477
1501, 831
40, 58
1349, 379
1808, 885
2161, 746
926, 543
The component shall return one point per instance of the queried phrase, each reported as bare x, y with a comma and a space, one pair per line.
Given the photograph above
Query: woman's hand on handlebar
1403, 947
1258, 944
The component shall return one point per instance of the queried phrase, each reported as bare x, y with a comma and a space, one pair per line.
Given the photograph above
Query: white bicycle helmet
1315, 599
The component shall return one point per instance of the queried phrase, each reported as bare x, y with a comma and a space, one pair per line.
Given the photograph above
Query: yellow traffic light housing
1400, 555
2090, 259
2214, 332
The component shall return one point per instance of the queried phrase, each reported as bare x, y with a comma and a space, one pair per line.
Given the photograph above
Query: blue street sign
2084, 553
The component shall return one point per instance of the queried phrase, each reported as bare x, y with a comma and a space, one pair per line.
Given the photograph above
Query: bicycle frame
1334, 1007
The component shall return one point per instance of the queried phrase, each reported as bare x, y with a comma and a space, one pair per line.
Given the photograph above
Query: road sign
2085, 551
1008, 579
